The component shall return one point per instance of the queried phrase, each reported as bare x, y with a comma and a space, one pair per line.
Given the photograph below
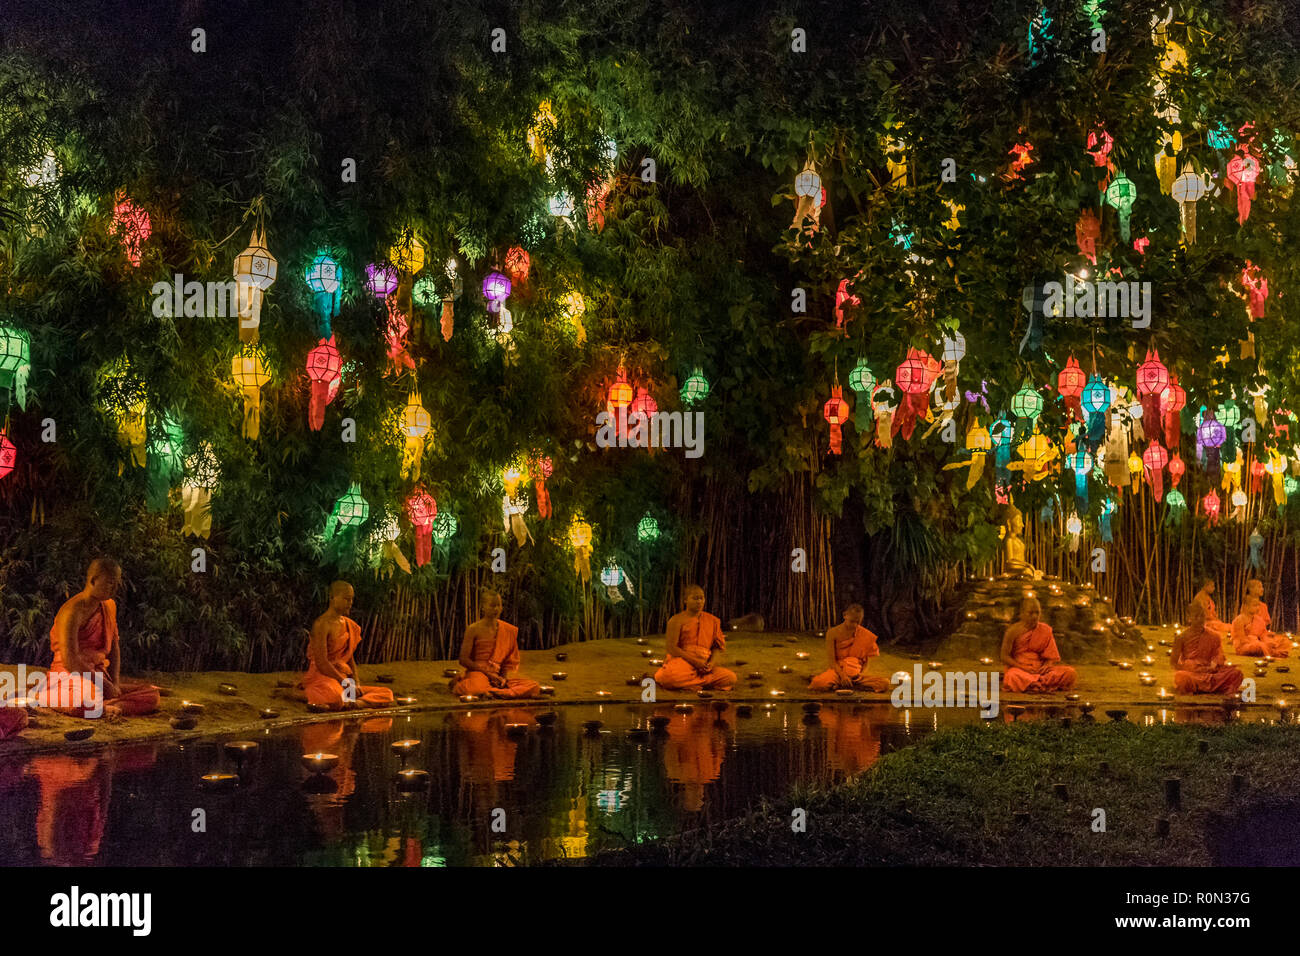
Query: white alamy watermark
74, 908
1100, 300
195, 300
947, 689
58, 689
652, 430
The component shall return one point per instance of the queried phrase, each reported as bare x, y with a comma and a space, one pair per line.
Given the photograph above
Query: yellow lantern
1135, 470
542, 129
250, 374
574, 308
407, 254
415, 426
580, 538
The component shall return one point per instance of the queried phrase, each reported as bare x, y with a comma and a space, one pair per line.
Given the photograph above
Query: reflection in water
498, 795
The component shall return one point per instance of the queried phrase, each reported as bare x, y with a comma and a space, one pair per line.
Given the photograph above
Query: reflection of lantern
250, 374
496, 289
381, 280
255, 270
539, 469
836, 412
580, 538
1154, 458
1070, 384
415, 427
8, 455
15, 362
1120, 195
323, 279
202, 473
647, 529
1152, 379
695, 389
324, 367
422, 509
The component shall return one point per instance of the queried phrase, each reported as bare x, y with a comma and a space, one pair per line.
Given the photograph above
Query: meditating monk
1197, 658
849, 646
1250, 634
1029, 651
693, 636
85, 679
490, 655
1281, 643
1203, 598
13, 720
334, 640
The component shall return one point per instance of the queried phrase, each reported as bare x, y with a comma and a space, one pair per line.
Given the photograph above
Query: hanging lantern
541, 132
1166, 160
422, 509
1152, 380
862, 383
517, 265
1277, 468
444, 529
695, 389
1238, 502
913, 377
1230, 415
808, 192
1210, 434
1026, 405
1154, 459
202, 474
620, 393
1172, 399
496, 289
1070, 383
383, 535
1210, 505
448, 307
978, 443
644, 404
1037, 454
8, 455
1080, 462
15, 362
1120, 195
324, 280
1187, 190
1256, 286
1176, 470
248, 369
350, 511
539, 469
125, 398
647, 529
324, 368
1074, 527
513, 510
883, 413
1177, 506
381, 280
612, 575
561, 205
1000, 433
580, 538
132, 227
954, 347
1099, 146
1086, 233
407, 254
415, 426
255, 271
1220, 137
395, 332
597, 204
836, 412
1243, 171
1107, 511
1095, 400
574, 307
425, 293
844, 297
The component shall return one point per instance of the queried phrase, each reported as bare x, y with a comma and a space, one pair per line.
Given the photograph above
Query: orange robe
325, 691
73, 809
77, 695
1204, 670
693, 755
1032, 649
13, 720
500, 649
1252, 638
1221, 628
852, 744
704, 633
852, 653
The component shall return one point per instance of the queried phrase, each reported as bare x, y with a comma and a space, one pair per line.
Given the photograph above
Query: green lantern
1291, 485
1120, 195
425, 293
349, 511
166, 462
15, 362
1027, 403
695, 389
647, 529
444, 527
863, 383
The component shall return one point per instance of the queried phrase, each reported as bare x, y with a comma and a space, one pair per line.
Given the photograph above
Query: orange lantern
836, 411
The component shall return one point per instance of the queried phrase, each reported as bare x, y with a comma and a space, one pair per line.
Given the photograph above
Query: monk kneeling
1029, 651
85, 679
334, 640
849, 646
490, 656
1197, 658
693, 637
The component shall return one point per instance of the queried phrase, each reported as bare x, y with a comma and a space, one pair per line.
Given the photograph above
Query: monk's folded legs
1222, 680
326, 692
680, 674
1020, 681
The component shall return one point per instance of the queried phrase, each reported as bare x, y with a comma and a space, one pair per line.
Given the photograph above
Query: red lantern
1211, 505
1176, 469
1243, 171
8, 455
1070, 384
1152, 380
540, 469
844, 297
913, 378
1256, 286
1257, 471
643, 403
517, 265
422, 509
836, 411
597, 203
324, 368
1172, 400
1086, 233
1154, 458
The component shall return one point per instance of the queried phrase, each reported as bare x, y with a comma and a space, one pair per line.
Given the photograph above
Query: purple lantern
381, 280
496, 289
1210, 434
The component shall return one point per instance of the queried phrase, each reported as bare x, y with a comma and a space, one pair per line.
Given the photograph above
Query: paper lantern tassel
582, 563
197, 506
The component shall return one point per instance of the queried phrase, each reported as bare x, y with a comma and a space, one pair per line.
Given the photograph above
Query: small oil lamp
561, 657
684, 708
603, 693
1148, 680
450, 672
986, 661
404, 749
411, 780
266, 713
547, 690
228, 690
801, 655
648, 653
469, 698
219, 782
559, 675
778, 693
785, 669
239, 751
191, 707
320, 763
934, 665
407, 701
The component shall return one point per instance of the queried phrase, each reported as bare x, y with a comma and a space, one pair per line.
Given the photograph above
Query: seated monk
490, 655
1029, 651
1250, 634
85, 679
334, 640
849, 646
13, 720
1202, 597
693, 637
1281, 644
1197, 658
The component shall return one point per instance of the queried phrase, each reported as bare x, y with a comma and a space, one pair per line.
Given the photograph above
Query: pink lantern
1172, 400
422, 509
844, 297
1154, 459
1243, 171
1210, 504
1099, 146
913, 377
8, 455
1256, 286
539, 469
643, 403
517, 265
1152, 379
132, 226
324, 368
1070, 383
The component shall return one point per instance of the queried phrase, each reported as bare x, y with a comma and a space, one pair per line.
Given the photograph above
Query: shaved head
1195, 614
339, 587
103, 566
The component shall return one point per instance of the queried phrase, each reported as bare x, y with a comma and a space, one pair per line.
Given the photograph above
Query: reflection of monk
694, 635
693, 754
852, 744
1029, 651
487, 755
1197, 658
490, 655
13, 721
85, 642
334, 640
1212, 622
849, 647
74, 797
337, 737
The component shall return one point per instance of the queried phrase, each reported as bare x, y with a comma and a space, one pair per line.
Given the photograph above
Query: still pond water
495, 796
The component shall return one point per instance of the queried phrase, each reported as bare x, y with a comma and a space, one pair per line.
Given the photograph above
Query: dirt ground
592, 666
